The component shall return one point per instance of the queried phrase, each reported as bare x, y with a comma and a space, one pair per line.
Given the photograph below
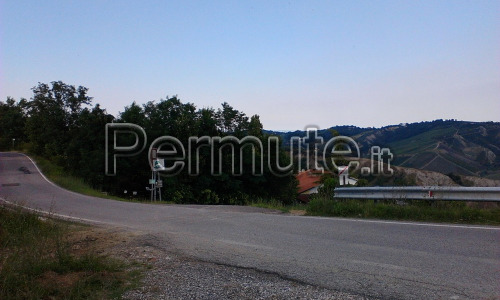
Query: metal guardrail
421, 193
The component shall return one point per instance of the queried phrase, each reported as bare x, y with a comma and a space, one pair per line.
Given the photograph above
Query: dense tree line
60, 123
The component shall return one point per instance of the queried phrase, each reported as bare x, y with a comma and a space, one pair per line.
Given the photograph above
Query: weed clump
36, 262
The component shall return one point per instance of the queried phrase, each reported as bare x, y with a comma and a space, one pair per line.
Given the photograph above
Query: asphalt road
388, 260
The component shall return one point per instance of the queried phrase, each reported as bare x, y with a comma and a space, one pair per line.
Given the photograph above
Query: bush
437, 211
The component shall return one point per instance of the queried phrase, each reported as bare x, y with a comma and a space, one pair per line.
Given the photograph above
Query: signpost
156, 184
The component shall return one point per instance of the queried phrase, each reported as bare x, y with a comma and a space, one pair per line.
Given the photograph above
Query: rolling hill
453, 147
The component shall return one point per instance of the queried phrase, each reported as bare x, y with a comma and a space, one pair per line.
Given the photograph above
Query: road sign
159, 183
159, 164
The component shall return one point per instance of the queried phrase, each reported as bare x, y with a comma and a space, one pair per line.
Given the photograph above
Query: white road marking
46, 179
38, 211
319, 218
402, 223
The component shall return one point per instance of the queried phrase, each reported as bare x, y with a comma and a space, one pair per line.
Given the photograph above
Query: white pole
152, 184
154, 187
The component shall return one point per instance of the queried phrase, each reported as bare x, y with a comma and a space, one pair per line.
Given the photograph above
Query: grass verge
415, 210
36, 262
57, 175
277, 205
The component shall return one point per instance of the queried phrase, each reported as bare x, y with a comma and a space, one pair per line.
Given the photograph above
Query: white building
344, 178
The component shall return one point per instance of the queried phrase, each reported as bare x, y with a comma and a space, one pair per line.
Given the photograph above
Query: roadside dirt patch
168, 274
129, 246
99, 240
60, 281
298, 212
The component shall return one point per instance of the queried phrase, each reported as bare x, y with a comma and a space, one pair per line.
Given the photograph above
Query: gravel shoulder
171, 275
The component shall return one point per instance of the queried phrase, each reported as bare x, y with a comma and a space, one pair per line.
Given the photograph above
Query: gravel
171, 275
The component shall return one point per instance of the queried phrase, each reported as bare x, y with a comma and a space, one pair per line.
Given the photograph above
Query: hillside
457, 147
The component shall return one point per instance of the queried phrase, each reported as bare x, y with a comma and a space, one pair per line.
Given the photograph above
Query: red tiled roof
308, 180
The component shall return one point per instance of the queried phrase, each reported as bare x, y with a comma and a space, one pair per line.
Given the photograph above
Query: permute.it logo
304, 150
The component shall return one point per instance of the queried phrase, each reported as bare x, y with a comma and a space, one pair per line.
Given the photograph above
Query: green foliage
59, 176
209, 197
399, 178
32, 249
459, 180
419, 143
231, 121
439, 211
329, 185
362, 182
182, 120
255, 127
12, 122
52, 113
277, 205
62, 127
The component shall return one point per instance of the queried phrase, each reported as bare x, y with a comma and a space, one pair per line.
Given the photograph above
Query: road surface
381, 259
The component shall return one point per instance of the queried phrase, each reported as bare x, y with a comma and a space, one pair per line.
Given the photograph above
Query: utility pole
152, 181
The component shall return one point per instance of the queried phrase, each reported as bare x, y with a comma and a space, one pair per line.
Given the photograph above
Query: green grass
277, 205
57, 175
414, 211
36, 263
421, 142
417, 160
438, 211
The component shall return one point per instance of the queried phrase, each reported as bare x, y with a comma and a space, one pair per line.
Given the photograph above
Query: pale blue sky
295, 63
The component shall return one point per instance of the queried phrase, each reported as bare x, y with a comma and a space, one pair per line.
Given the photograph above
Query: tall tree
255, 127
52, 113
85, 151
232, 121
12, 122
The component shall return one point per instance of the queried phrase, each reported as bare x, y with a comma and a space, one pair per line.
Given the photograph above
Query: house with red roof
309, 182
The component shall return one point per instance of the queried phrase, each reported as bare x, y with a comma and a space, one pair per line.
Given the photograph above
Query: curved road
388, 260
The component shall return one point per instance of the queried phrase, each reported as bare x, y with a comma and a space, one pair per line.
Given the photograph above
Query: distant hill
445, 146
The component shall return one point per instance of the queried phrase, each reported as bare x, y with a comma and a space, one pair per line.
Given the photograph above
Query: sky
294, 63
